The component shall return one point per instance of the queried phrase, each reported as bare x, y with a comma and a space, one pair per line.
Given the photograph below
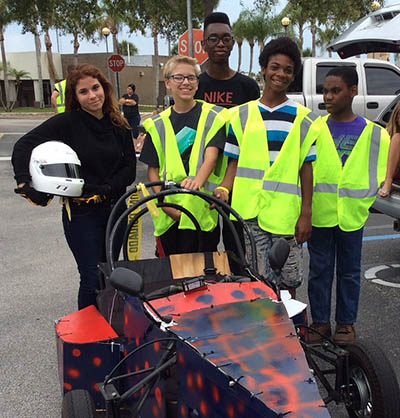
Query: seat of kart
158, 273
161, 272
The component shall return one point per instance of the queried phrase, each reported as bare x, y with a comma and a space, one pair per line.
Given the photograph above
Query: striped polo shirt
278, 122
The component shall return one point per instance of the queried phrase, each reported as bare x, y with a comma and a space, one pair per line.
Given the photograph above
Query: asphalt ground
40, 282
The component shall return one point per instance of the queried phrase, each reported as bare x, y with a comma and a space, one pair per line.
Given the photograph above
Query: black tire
78, 404
374, 387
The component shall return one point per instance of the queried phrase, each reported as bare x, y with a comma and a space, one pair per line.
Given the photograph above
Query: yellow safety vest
171, 167
60, 87
272, 194
343, 194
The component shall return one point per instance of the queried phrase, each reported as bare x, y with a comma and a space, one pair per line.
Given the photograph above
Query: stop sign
116, 63
199, 52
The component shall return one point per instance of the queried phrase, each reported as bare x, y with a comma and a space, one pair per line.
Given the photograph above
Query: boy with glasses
220, 84
185, 144
225, 87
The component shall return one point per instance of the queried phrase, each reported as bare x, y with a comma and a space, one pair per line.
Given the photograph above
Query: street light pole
190, 27
285, 23
106, 31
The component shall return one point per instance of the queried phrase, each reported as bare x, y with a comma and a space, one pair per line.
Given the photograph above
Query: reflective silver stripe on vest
210, 187
373, 171
209, 123
326, 188
160, 127
313, 116
61, 94
276, 186
306, 125
250, 173
243, 116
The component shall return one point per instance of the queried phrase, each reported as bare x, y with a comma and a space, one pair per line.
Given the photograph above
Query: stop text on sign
116, 63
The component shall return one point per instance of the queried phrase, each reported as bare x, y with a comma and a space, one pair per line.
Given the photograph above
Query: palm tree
123, 48
5, 19
18, 75
238, 31
249, 33
209, 6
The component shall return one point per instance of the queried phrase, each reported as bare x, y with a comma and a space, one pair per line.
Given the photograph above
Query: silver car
377, 32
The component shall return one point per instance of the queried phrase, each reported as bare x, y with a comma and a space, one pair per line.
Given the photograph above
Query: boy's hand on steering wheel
221, 193
190, 184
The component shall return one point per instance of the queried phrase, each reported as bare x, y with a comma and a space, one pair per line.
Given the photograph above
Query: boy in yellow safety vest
351, 165
185, 144
271, 144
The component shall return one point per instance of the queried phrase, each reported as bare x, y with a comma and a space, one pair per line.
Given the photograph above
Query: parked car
379, 84
389, 205
383, 117
377, 32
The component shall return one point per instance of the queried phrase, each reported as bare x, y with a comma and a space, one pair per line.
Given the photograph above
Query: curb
39, 115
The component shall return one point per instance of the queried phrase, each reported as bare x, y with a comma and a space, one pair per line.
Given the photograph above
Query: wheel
374, 389
78, 404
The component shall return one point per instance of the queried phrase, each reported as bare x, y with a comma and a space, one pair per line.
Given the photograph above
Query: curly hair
393, 127
283, 45
110, 105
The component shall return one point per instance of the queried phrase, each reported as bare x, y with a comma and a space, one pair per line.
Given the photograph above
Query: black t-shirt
105, 151
227, 93
131, 110
185, 128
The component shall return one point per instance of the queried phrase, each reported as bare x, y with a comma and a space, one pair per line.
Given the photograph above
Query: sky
15, 41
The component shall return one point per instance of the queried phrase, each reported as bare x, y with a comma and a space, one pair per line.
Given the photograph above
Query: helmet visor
61, 170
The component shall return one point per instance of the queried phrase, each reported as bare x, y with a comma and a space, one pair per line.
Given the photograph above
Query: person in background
223, 86
393, 127
272, 144
94, 128
185, 144
352, 158
130, 107
58, 97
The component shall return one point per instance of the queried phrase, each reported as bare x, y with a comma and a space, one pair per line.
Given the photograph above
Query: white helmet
54, 168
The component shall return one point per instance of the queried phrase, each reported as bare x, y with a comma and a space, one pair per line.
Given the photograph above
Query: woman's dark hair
283, 45
346, 73
110, 105
132, 86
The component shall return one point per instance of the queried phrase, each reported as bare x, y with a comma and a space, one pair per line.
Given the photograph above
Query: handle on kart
171, 188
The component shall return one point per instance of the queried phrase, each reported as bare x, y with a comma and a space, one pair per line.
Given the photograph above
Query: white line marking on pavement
5, 158
12, 133
370, 274
373, 227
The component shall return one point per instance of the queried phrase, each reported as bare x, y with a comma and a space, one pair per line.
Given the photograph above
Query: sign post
184, 48
117, 64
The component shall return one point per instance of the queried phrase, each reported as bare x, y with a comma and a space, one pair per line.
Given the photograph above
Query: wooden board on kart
193, 264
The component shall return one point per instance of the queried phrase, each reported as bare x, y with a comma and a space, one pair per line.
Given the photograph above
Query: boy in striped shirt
269, 138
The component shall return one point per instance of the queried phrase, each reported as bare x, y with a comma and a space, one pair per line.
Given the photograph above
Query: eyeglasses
214, 40
179, 78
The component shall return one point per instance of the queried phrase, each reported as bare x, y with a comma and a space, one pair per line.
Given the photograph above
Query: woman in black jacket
94, 128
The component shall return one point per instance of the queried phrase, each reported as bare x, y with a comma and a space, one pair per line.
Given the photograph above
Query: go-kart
181, 336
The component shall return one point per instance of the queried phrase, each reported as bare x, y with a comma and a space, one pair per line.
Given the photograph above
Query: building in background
139, 70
